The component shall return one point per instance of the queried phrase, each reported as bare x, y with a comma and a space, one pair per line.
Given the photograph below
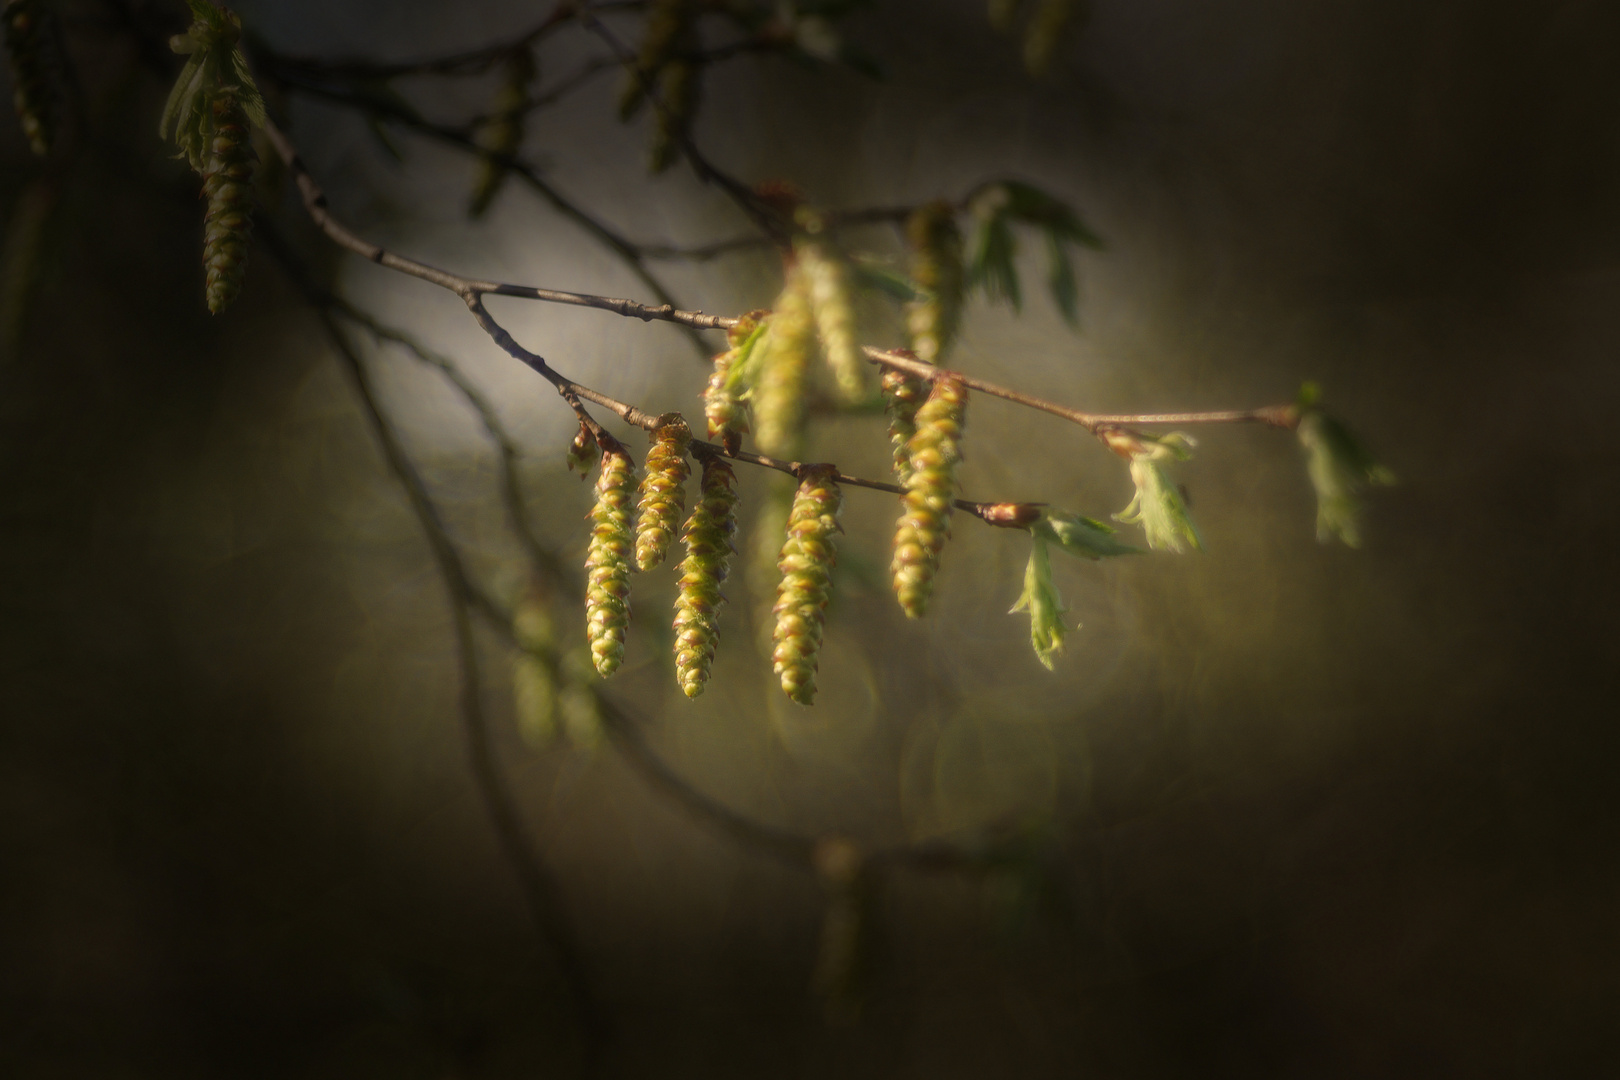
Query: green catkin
32, 94
502, 135
827, 275
723, 405
936, 267
903, 393
806, 567
924, 524
227, 173
662, 500
707, 537
607, 564
1045, 30
778, 394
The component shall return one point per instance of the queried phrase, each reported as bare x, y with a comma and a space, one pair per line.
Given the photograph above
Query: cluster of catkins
27, 47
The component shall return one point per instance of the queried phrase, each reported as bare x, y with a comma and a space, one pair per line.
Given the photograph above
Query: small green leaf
871, 274
1031, 205
1159, 506
1340, 469
741, 373
1085, 537
1040, 598
992, 248
1060, 279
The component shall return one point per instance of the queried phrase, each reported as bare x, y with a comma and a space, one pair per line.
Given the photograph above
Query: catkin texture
227, 173
502, 136
607, 563
806, 567
936, 267
32, 94
924, 524
707, 537
663, 493
783, 368
827, 274
903, 393
723, 405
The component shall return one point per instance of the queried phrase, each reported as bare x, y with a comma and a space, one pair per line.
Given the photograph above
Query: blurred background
1283, 809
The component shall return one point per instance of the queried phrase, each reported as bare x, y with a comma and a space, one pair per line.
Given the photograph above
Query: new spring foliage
1083, 537
806, 565
33, 92
707, 537
1340, 468
1158, 506
209, 115
924, 524
607, 563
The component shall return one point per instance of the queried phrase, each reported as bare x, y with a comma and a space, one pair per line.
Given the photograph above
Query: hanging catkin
903, 393
707, 537
228, 186
924, 524
778, 394
806, 566
32, 91
723, 405
936, 267
502, 135
827, 275
607, 564
663, 491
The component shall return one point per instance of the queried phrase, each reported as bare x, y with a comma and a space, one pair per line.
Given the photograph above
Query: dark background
1313, 812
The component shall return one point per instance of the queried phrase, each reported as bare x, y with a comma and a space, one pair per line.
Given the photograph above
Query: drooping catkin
723, 404
924, 524
662, 499
607, 564
707, 537
903, 393
784, 366
827, 275
227, 173
32, 91
502, 135
936, 267
806, 567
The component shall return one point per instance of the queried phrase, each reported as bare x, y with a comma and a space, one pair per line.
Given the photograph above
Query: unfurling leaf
1159, 506
1085, 537
1040, 598
583, 452
1340, 468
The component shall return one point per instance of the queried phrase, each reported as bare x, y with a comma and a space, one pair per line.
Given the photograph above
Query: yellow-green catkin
32, 91
227, 173
1045, 30
723, 405
903, 394
784, 367
806, 567
662, 500
827, 275
924, 524
607, 564
502, 135
936, 267
707, 537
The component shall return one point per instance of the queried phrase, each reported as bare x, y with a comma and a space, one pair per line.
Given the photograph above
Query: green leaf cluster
993, 246
1084, 537
1340, 469
1159, 506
